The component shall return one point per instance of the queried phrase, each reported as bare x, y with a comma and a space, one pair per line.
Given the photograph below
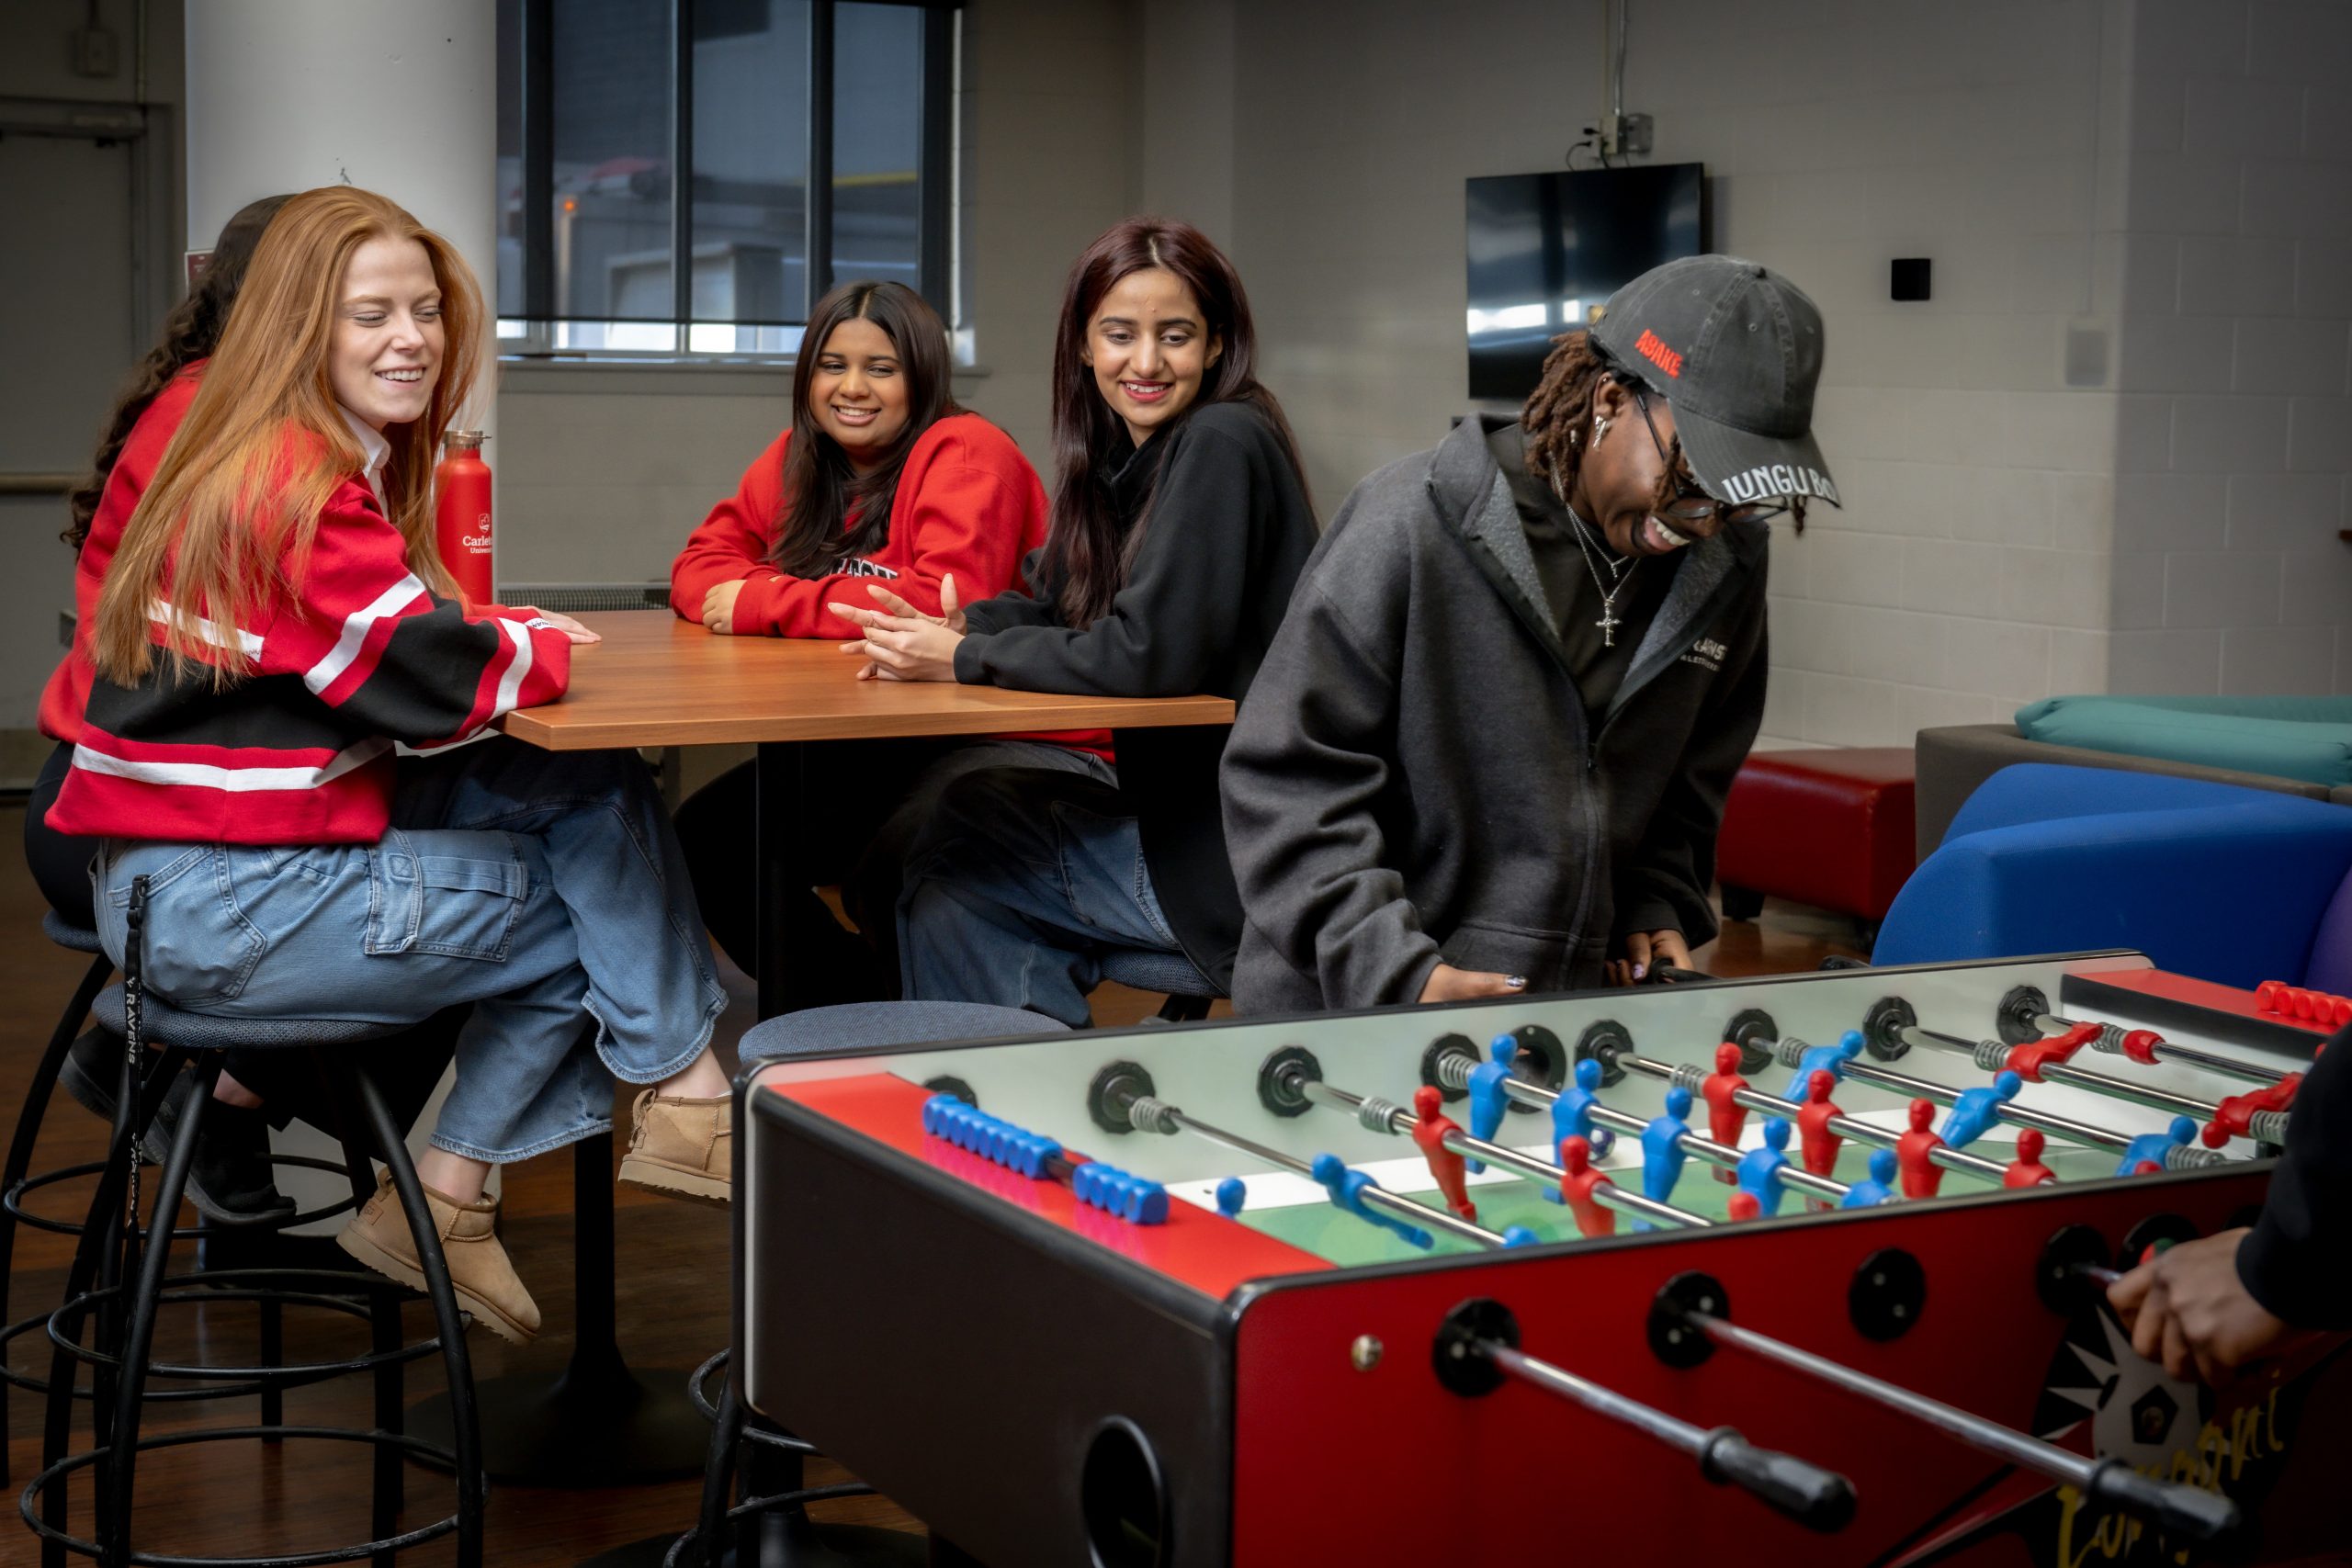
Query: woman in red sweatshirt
273, 625
881, 478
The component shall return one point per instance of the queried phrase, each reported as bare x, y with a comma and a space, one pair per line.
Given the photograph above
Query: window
815, 137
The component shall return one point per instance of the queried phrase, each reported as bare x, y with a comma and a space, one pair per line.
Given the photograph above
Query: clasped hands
901, 643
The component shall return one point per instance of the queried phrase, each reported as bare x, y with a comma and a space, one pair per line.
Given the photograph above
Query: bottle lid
463, 440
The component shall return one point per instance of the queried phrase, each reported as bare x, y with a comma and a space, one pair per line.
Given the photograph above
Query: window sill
662, 376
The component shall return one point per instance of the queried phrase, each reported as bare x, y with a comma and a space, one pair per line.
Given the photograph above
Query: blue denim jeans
1021, 884
541, 888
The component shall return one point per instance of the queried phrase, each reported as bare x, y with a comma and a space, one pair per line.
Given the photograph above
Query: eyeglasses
1691, 504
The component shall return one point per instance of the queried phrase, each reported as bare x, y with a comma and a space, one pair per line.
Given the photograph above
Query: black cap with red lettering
1736, 348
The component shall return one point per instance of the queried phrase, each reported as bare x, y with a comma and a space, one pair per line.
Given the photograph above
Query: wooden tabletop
657, 680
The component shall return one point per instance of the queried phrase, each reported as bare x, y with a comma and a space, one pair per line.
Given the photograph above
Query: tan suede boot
683, 1147
484, 1281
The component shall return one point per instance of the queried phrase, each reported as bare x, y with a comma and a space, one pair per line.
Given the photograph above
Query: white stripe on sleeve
164, 610
356, 627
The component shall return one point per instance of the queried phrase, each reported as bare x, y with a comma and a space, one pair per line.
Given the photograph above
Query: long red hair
230, 511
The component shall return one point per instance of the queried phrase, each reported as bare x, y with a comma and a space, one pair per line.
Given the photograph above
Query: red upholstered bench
1830, 827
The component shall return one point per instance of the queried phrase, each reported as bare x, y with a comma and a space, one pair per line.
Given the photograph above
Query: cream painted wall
1970, 570
2235, 458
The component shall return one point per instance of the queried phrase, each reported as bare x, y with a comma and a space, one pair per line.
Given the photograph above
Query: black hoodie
1227, 531
2297, 1262
1414, 777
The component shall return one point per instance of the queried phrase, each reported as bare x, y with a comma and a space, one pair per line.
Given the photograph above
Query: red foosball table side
1335, 1462
999, 1341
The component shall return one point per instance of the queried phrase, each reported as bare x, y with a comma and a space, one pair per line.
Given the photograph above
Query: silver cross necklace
1609, 621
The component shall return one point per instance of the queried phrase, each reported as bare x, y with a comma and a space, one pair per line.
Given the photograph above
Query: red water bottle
461, 515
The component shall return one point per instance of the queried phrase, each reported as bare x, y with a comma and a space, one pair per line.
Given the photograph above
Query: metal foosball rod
1386, 1116
1477, 1346
1992, 1054
2146, 1045
1149, 1114
1689, 1076
1792, 1052
2260, 1115
1453, 1068
2177, 1506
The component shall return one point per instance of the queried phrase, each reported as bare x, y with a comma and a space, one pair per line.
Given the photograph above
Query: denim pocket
463, 905
198, 947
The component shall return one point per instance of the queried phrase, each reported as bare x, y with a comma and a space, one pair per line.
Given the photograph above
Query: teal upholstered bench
2308, 738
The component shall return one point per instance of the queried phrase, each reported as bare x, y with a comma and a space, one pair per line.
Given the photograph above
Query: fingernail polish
1516, 982
1640, 970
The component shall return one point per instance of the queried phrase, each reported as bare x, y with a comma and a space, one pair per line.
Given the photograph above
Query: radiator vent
572, 598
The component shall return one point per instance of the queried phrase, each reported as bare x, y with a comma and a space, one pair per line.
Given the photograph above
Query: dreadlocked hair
1557, 420
191, 332
1558, 413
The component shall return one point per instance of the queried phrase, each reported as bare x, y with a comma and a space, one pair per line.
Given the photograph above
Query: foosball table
1808, 1267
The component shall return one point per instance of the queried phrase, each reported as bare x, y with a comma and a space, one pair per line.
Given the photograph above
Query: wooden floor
672, 1295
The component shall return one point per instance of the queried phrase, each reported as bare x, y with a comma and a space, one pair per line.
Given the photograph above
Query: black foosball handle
1816, 1498
2179, 1507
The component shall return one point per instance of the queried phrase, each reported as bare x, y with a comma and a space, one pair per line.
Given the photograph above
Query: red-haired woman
273, 622
881, 476
1181, 522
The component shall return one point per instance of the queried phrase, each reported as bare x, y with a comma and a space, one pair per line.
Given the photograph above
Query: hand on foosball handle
2181, 1508
1642, 949
1447, 983
1816, 1498
2187, 1308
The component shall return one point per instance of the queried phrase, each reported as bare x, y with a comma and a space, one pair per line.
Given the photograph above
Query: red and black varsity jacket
357, 656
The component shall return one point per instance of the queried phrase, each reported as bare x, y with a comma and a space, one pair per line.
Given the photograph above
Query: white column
397, 96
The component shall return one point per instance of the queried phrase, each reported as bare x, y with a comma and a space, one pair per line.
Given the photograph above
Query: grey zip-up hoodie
1413, 777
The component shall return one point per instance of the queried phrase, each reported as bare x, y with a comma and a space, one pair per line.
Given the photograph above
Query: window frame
935, 177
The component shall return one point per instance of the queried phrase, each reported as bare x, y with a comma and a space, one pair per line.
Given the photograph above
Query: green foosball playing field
1341, 1237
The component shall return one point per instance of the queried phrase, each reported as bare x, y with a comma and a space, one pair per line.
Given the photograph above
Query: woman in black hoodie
1181, 521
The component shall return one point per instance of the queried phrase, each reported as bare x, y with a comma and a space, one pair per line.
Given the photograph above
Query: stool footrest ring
36, 1489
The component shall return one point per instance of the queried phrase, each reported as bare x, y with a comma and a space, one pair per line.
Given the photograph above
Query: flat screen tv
1547, 250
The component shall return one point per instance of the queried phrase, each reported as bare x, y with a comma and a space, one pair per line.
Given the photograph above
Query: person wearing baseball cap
1488, 751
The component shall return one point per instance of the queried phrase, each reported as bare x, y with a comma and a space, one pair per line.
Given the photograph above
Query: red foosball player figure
1744, 1205
1816, 1145
1578, 1179
1921, 1175
1725, 1116
2027, 1170
1444, 1163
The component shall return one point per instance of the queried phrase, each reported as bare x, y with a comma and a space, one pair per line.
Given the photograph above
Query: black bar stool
114, 1250
15, 1177
759, 1462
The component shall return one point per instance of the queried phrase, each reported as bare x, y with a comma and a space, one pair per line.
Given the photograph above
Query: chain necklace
1608, 622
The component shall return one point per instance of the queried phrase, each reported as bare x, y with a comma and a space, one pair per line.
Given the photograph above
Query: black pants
865, 803
407, 1064
60, 862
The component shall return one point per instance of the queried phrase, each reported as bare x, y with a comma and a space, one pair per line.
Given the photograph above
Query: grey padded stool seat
769, 1458
1189, 992
878, 1026
16, 1178
126, 1313
65, 934
163, 1024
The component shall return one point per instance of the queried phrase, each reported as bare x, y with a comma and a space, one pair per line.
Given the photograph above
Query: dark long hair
820, 488
191, 332
1082, 543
